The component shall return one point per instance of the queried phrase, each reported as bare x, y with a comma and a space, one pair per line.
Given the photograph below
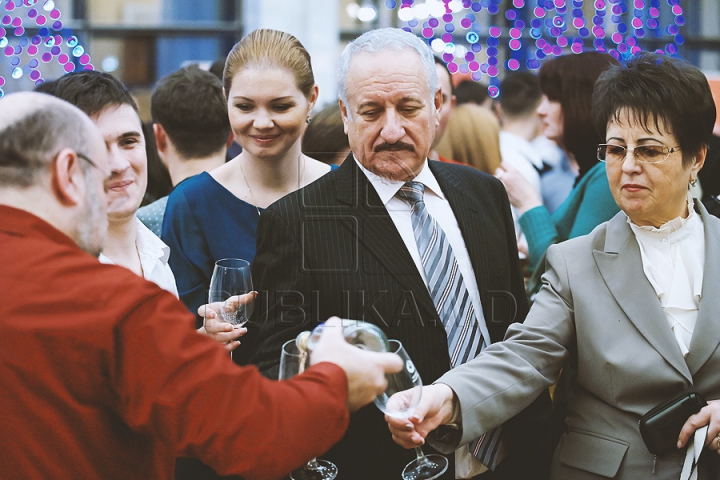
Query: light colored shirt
556, 183
154, 255
152, 215
439, 208
521, 155
673, 258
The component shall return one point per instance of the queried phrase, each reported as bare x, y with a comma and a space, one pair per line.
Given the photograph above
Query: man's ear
67, 178
161, 138
343, 113
230, 140
498, 111
438, 103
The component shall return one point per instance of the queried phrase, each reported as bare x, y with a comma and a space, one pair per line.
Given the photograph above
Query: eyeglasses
89, 160
651, 154
104, 173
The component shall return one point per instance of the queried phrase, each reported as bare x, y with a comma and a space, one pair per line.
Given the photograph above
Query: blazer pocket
593, 453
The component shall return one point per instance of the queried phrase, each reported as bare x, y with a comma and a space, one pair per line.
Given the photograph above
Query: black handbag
660, 427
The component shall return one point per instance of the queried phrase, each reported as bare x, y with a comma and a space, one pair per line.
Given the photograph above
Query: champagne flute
399, 400
293, 362
231, 277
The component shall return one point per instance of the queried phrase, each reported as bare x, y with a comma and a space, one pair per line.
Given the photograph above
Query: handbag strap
689, 470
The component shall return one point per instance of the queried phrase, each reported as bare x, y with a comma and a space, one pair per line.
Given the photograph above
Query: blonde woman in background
472, 137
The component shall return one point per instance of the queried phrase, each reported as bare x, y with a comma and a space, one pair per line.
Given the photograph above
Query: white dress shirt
437, 206
154, 255
673, 258
521, 155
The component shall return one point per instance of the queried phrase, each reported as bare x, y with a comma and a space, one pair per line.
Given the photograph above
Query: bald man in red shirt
102, 372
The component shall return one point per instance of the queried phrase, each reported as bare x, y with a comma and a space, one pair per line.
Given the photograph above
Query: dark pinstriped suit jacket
332, 249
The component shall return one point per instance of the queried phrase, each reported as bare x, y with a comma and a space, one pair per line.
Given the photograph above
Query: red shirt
103, 376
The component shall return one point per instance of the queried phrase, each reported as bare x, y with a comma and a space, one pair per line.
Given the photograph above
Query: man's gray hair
393, 39
29, 144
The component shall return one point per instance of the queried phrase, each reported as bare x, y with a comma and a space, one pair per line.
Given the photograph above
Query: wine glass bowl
399, 400
231, 277
404, 388
293, 361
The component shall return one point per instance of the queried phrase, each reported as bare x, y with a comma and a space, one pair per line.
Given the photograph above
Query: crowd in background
235, 163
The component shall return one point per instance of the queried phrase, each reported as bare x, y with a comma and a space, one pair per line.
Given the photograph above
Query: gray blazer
598, 310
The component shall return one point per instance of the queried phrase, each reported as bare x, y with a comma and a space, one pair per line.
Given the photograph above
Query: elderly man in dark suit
423, 249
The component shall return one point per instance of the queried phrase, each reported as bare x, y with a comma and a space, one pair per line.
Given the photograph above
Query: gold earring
693, 182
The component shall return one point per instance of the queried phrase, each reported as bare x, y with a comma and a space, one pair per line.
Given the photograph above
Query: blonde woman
472, 137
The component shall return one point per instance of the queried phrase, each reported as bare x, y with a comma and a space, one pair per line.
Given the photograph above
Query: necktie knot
412, 192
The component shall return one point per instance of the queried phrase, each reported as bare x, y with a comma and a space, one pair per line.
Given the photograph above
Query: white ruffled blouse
673, 258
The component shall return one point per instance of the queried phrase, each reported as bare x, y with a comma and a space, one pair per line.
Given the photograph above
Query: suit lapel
377, 233
620, 266
706, 337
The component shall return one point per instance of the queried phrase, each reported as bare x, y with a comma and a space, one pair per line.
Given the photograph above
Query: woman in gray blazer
634, 306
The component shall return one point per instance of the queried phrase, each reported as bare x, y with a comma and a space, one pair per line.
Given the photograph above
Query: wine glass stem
421, 458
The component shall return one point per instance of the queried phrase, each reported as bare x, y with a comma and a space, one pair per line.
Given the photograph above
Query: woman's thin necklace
252, 197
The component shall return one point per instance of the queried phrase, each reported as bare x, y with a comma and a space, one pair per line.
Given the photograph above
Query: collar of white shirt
149, 244
386, 188
154, 255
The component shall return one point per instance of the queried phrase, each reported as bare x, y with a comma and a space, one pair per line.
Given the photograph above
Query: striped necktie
452, 302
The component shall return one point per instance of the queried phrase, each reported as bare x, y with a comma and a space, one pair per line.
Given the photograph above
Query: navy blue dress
204, 222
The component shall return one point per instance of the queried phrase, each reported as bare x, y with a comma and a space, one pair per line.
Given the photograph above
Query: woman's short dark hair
653, 88
570, 79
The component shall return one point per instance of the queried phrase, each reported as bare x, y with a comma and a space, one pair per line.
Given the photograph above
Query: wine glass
399, 400
293, 362
231, 277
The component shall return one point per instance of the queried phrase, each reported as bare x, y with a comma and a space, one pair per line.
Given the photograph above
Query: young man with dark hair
469, 91
520, 97
191, 127
113, 110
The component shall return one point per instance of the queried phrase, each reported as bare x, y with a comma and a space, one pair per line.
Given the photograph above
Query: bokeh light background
478, 38
34, 44
471, 35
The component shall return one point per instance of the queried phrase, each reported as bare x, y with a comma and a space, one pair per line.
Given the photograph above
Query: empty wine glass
399, 400
231, 277
293, 362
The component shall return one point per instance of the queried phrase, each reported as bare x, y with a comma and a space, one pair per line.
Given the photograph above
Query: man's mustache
394, 147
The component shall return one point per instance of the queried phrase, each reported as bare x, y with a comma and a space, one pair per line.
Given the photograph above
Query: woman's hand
521, 194
522, 247
437, 407
709, 415
222, 332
